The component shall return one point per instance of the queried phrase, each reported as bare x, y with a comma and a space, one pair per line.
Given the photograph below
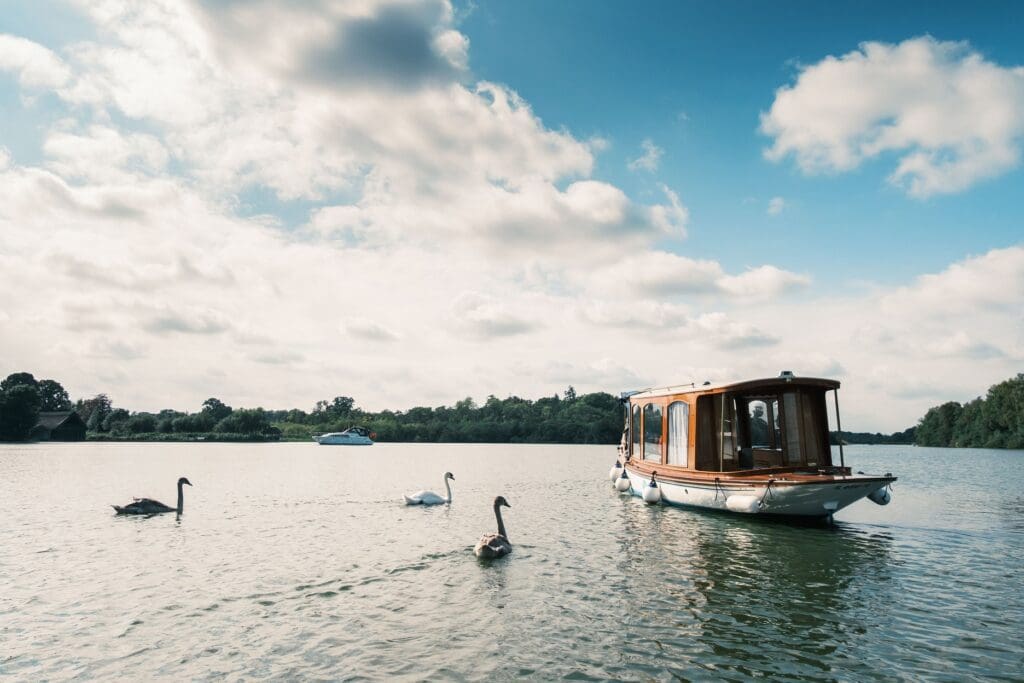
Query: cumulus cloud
485, 317
992, 281
648, 161
951, 117
661, 274
718, 329
776, 205
35, 65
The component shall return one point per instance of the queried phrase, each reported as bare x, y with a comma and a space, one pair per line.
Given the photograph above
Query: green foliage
244, 421
52, 396
19, 411
904, 437
18, 379
996, 421
116, 421
589, 418
215, 409
341, 408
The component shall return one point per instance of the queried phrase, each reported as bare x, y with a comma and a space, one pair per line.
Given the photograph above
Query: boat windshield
771, 428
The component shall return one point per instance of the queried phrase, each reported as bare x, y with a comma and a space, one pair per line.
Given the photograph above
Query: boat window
678, 432
634, 430
815, 426
763, 423
652, 432
727, 437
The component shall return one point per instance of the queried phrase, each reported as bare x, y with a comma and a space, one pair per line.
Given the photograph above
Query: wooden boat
754, 447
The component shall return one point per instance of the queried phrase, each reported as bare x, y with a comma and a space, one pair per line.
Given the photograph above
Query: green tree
243, 421
19, 411
937, 426
52, 396
115, 420
94, 411
19, 379
216, 409
141, 423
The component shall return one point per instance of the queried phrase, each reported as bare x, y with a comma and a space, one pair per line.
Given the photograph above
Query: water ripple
311, 568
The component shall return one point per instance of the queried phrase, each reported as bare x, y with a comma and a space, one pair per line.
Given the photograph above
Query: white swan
429, 497
494, 545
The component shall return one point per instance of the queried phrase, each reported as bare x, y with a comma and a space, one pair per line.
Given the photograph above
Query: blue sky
412, 202
694, 76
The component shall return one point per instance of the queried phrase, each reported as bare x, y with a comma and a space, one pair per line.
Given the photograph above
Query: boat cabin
778, 424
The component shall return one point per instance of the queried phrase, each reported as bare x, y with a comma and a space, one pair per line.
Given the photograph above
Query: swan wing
143, 506
424, 498
415, 498
492, 545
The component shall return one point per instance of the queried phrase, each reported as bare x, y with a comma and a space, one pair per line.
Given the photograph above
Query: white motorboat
353, 436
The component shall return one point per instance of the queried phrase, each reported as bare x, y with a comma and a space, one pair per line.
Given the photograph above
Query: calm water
295, 561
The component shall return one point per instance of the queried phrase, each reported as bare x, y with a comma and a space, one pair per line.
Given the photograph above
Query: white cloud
648, 161
484, 317
35, 65
664, 274
952, 117
776, 205
763, 282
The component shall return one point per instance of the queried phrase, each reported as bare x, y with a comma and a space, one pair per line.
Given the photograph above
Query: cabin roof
51, 419
746, 385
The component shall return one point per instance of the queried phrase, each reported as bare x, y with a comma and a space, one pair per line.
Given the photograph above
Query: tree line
993, 421
587, 419
570, 418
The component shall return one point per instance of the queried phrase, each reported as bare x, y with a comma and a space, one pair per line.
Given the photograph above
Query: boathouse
59, 425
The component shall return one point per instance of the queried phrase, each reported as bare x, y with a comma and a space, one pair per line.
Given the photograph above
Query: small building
59, 425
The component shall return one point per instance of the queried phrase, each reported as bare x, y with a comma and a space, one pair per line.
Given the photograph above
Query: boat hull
790, 497
345, 440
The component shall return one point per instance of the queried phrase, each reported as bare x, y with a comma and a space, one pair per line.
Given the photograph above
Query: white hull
811, 499
343, 440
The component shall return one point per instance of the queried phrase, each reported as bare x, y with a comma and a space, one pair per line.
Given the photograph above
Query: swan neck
501, 525
448, 488
181, 498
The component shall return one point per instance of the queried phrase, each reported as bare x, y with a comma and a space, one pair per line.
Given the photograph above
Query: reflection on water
298, 562
735, 593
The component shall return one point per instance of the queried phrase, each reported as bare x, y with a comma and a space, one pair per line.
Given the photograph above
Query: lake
298, 561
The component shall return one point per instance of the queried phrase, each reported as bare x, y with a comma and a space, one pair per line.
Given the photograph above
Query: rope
767, 491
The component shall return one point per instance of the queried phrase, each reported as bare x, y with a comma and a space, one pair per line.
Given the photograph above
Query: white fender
880, 496
652, 492
743, 503
622, 484
615, 471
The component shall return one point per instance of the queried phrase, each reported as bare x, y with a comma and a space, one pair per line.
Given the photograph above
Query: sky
409, 203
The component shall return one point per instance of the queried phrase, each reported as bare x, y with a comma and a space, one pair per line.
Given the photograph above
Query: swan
494, 545
147, 506
429, 497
